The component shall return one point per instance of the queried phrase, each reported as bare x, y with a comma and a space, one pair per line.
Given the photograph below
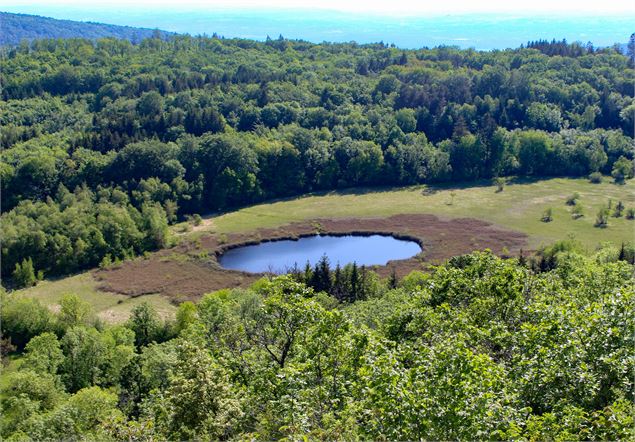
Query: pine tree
321, 278
354, 284
522, 261
392, 282
308, 273
338, 289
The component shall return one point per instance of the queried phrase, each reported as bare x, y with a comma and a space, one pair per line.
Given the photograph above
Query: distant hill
17, 27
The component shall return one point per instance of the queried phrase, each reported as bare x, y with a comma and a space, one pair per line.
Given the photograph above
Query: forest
480, 348
105, 143
18, 28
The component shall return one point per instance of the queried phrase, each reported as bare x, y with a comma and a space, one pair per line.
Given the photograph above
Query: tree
43, 354
84, 414
544, 117
406, 120
26, 394
619, 209
622, 170
535, 149
157, 235
84, 354
393, 281
23, 319
321, 277
200, 380
73, 312
150, 104
276, 325
186, 315
144, 322
24, 273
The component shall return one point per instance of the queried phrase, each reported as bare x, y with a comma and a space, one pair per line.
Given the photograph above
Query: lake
281, 256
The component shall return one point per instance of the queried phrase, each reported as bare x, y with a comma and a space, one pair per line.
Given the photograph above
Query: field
110, 307
190, 268
518, 207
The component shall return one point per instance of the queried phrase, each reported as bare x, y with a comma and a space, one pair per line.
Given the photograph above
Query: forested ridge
478, 349
106, 142
19, 28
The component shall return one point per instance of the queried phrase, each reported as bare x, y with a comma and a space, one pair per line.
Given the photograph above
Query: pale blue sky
479, 24
397, 7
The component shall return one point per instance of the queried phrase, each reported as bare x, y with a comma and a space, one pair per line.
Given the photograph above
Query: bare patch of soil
190, 269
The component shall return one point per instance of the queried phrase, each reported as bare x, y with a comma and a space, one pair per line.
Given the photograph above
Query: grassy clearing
519, 206
110, 307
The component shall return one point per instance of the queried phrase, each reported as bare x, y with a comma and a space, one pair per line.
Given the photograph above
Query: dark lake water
281, 256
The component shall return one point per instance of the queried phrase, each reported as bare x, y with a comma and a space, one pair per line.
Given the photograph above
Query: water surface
281, 256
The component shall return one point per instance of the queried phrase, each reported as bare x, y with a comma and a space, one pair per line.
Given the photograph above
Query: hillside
17, 27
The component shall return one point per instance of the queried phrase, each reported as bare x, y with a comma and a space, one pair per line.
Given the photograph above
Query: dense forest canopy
479, 349
106, 142
18, 28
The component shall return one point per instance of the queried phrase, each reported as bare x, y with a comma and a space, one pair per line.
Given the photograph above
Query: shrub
602, 218
619, 209
106, 262
595, 178
500, 182
195, 219
573, 199
630, 213
577, 211
547, 215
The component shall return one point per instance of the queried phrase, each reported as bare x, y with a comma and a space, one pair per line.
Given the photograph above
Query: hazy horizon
480, 30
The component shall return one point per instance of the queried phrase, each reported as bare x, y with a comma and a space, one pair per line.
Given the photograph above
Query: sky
483, 25
392, 7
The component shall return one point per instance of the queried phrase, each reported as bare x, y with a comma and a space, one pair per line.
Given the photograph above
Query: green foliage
602, 217
477, 348
43, 354
622, 169
577, 211
186, 315
595, 177
98, 160
547, 215
619, 209
24, 274
500, 182
25, 396
74, 311
81, 415
573, 199
78, 230
84, 354
24, 318
198, 379
144, 322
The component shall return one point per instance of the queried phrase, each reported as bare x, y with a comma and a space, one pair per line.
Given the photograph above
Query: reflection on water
281, 256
